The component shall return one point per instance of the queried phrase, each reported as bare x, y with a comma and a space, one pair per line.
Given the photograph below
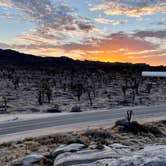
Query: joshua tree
64, 87
88, 90
78, 89
5, 103
124, 88
133, 96
40, 97
16, 81
149, 87
44, 91
48, 94
129, 116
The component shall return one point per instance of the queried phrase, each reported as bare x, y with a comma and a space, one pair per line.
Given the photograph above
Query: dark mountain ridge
14, 57
8, 57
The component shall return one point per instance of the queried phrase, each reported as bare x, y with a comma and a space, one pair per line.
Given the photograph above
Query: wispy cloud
109, 21
161, 34
114, 47
43, 12
59, 29
113, 42
53, 20
133, 8
4, 46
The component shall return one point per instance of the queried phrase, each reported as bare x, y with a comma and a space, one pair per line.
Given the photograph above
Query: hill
8, 57
14, 57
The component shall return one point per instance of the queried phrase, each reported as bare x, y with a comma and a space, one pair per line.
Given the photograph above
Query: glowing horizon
99, 30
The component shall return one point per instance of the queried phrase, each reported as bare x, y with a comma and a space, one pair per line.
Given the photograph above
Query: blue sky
106, 30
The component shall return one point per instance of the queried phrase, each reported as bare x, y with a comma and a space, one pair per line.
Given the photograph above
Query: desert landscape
38, 91
82, 82
82, 86
103, 146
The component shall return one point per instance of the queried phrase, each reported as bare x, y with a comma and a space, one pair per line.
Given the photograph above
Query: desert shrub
55, 109
34, 110
62, 139
136, 128
58, 138
46, 141
121, 122
76, 109
154, 130
163, 122
100, 146
96, 134
5, 144
29, 139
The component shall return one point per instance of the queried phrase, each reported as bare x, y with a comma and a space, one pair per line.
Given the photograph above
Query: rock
88, 156
67, 148
113, 155
149, 156
156, 163
32, 160
118, 146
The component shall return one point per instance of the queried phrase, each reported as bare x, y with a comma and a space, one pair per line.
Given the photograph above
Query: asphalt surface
77, 118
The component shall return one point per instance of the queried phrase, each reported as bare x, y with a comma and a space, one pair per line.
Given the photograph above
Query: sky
100, 30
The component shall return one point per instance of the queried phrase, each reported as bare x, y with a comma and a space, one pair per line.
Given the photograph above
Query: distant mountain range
17, 58
14, 57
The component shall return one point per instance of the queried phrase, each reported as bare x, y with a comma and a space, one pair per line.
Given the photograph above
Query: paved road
77, 118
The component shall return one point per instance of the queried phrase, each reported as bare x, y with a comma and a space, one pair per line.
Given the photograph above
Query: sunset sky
105, 30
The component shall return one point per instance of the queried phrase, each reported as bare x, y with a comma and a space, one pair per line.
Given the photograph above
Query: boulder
32, 160
67, 148
150, 156
155, 163
88, 156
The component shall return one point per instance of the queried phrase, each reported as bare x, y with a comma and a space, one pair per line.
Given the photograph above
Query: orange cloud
118, 47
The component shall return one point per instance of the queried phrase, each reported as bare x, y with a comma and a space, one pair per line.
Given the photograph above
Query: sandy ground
108, 93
